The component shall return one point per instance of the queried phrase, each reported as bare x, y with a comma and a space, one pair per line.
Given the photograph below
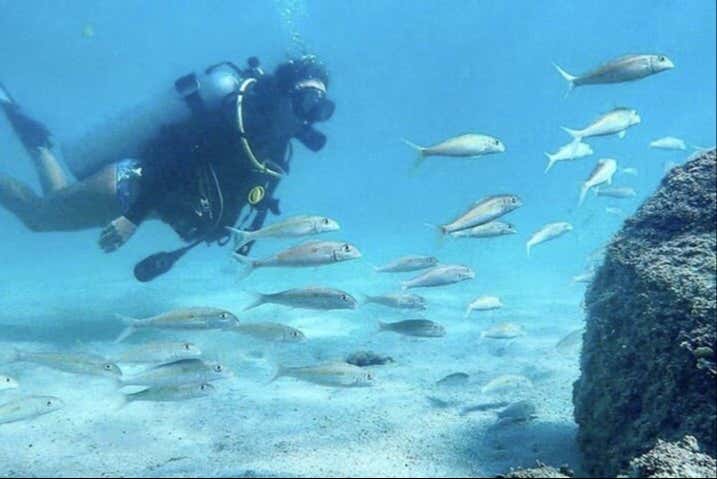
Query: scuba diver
213, 146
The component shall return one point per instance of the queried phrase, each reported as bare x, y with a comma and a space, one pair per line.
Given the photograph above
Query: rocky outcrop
540, 470
668, 459
648, 362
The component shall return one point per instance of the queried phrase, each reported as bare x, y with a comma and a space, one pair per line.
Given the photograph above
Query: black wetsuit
196, 175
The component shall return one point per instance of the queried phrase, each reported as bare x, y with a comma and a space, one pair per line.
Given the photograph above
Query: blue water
418, 70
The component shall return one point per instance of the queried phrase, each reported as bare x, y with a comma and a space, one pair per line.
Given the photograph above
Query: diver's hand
116, 234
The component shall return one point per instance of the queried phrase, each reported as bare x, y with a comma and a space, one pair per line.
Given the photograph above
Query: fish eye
7, 380
224, 315
187, 346
369, 376
326, 221
218, 368
108, 367
344, 297
49, 403
347, 248
661, 58
496, 142
203, 387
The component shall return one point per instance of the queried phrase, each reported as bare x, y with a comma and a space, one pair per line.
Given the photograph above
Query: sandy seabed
251, 427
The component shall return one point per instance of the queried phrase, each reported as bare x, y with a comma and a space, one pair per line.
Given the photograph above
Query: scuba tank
124, 135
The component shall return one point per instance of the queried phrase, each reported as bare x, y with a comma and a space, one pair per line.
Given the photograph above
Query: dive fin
129, 329
568, 77
622, 134
5, 97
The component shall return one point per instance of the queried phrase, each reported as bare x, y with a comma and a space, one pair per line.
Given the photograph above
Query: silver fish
622, 69
186, 318
602, 173
629, 171
160, 352
181, 392
75, 363
546, 233
483, 211
268, 331
308, 298
486, 230
614, 211
617, 192
520, 411
399, 301
570, 344
333, 374
6, 382
408, 263
28, 408
503, 331
506, 383
484, 303
295, 226
669, 143
572, 151
185, 371
455, 379
311, 253
615, 121
440, 275
470, 145
585, 277
422, 328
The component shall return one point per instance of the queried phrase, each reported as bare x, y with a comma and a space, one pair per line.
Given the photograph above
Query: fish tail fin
421, 152
280, 372
551, 161
576, 134
257, 300
121, 402
13, 355
240, 237
568, 77
382, 326
130, 327
249, 264
440, 233
365, 298
583, 191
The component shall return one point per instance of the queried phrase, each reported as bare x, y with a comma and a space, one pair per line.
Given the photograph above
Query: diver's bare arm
121, 229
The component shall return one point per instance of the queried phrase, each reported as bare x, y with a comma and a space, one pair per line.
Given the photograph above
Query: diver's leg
86, 204
52, 176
